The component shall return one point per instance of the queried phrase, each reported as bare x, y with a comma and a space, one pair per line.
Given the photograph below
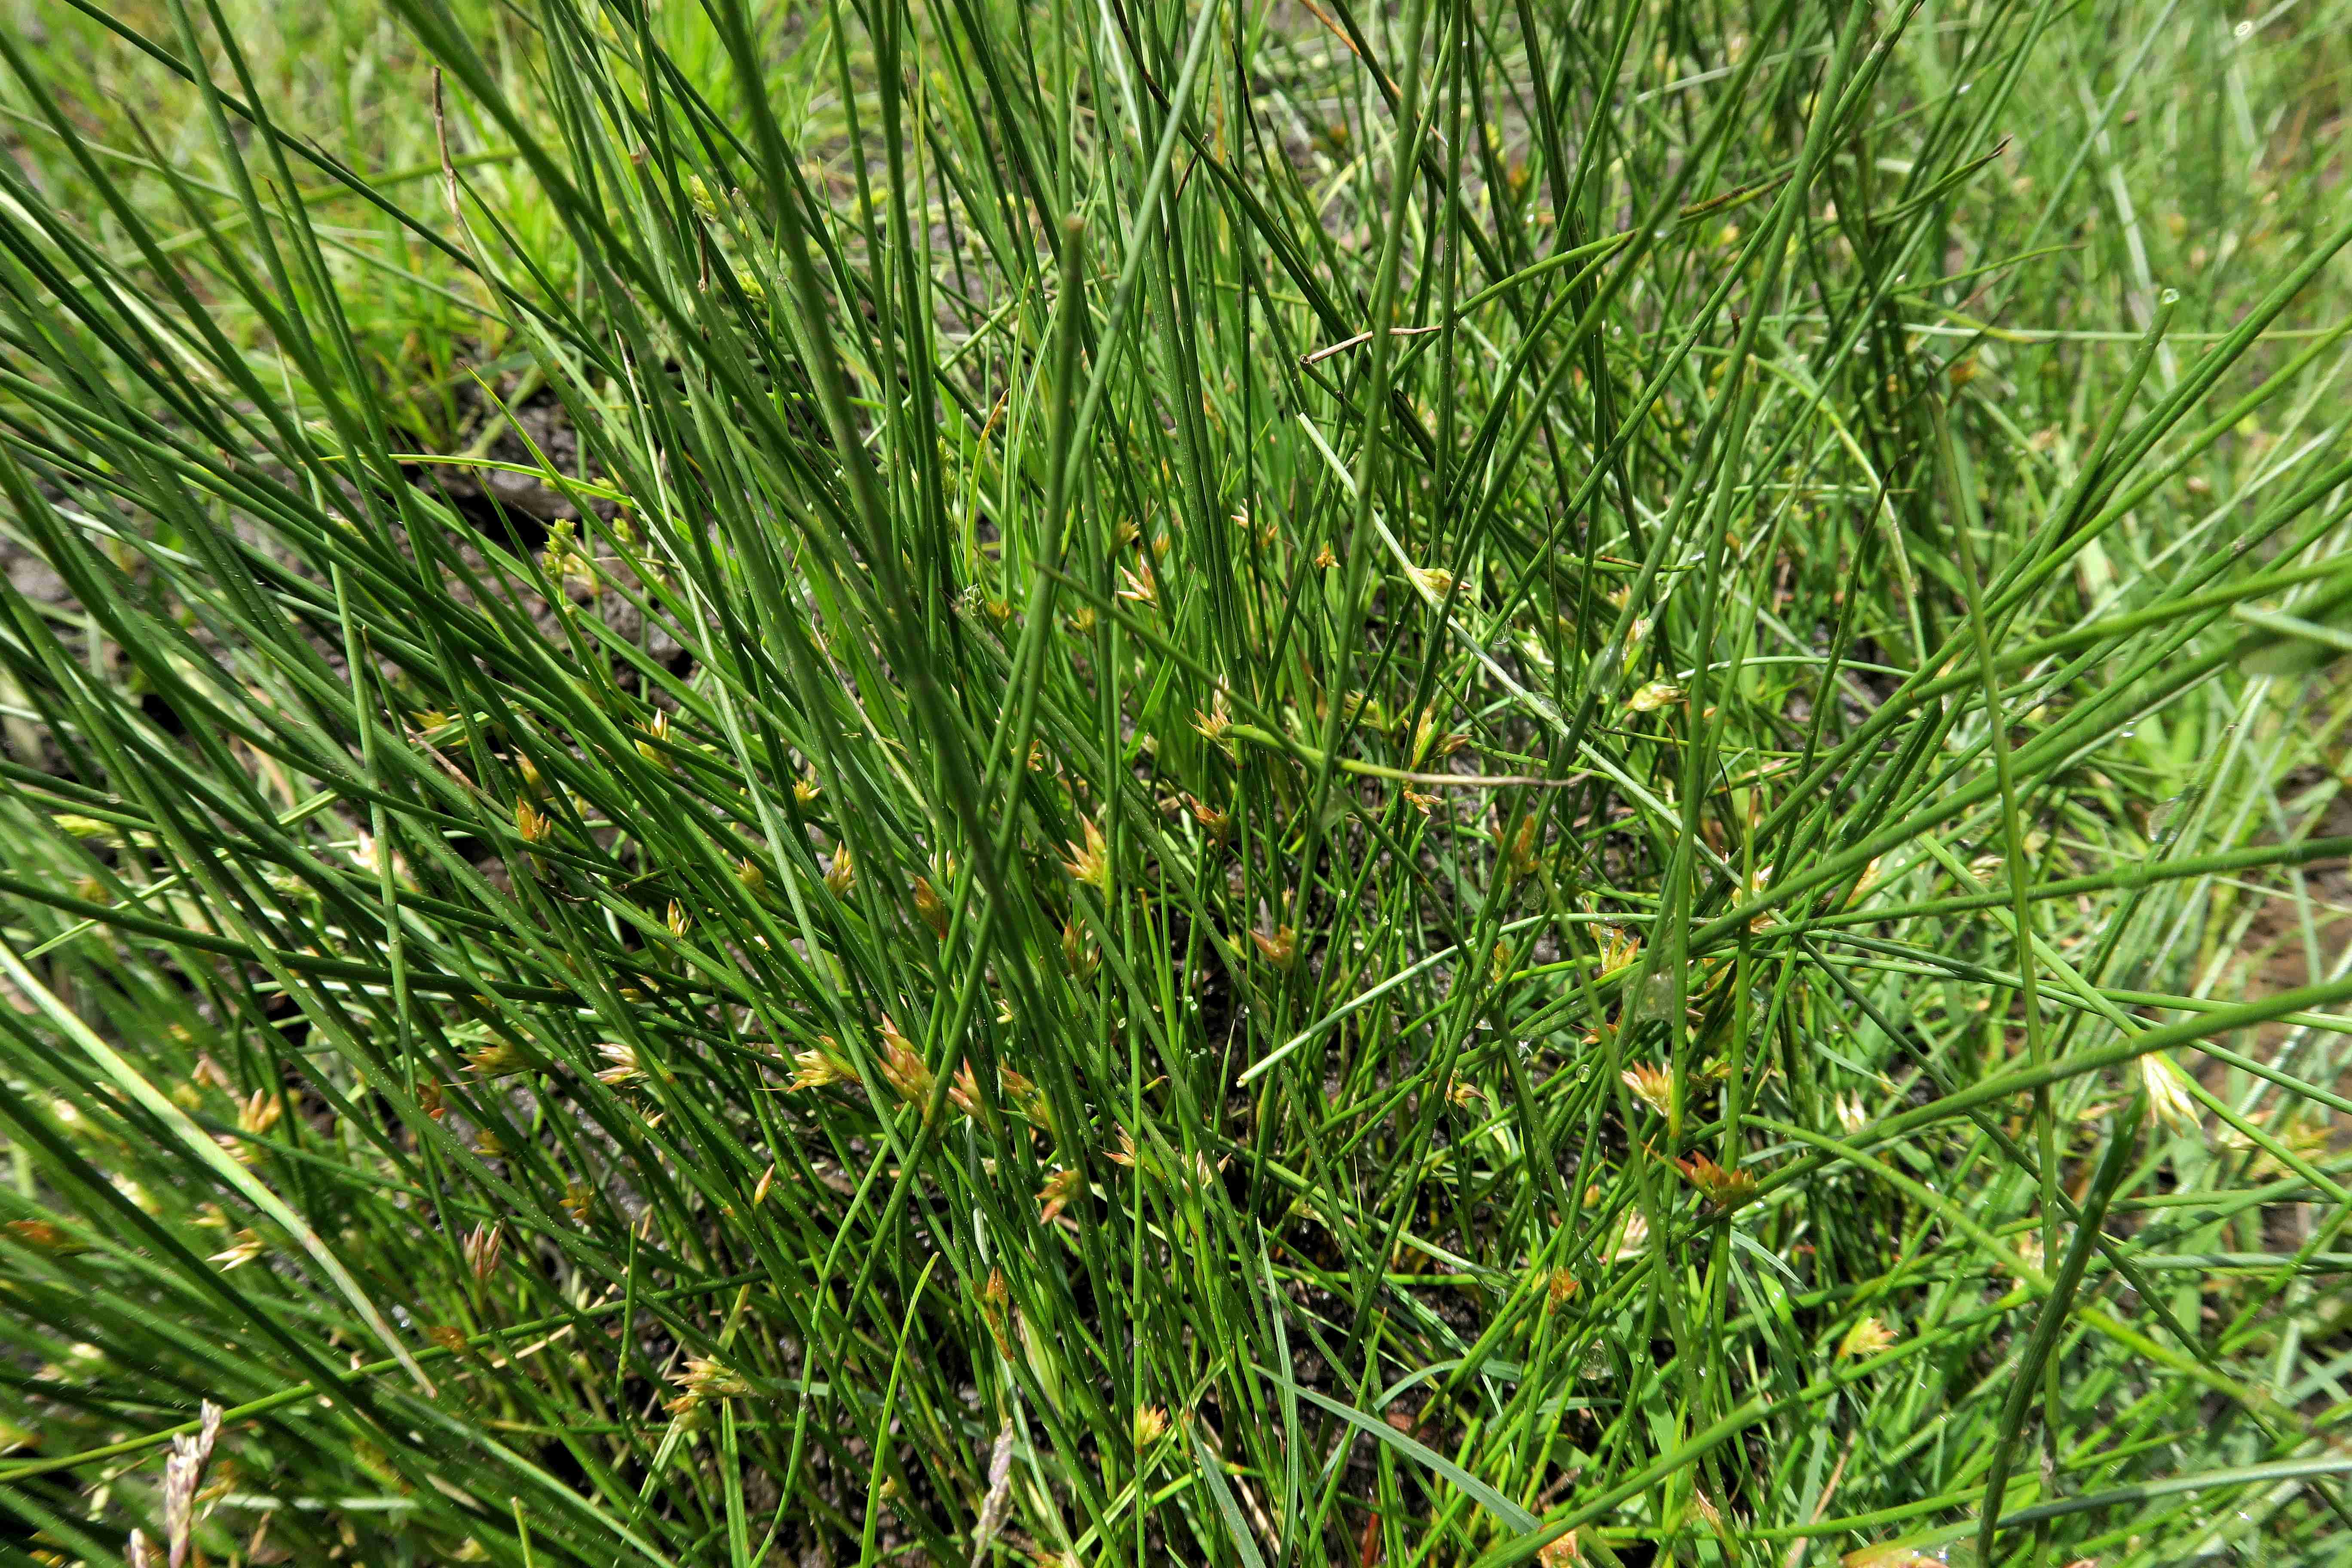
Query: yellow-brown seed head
1653, 1086
1867, 1338
1151, 1425
1279, 947
903, 1066
1090, 862
930, 908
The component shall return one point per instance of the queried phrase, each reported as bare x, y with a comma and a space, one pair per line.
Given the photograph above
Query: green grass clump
1105, 783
